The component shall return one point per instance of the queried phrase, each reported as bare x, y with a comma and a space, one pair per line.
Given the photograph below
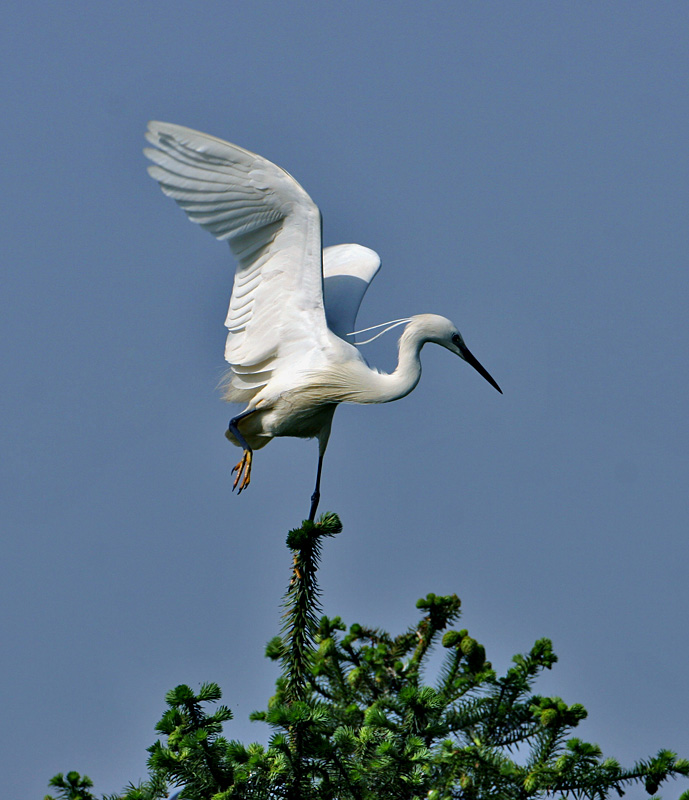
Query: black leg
234, 430
316, 496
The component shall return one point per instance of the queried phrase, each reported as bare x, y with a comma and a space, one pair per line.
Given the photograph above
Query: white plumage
293, 302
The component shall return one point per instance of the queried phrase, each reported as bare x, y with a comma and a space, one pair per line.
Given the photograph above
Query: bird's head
442, 331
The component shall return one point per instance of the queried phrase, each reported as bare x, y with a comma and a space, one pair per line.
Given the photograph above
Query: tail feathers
240, 388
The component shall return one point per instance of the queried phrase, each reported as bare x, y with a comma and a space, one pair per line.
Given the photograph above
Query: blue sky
521, 168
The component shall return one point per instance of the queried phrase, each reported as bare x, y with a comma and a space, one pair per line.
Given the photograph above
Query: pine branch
301, 602
300, 627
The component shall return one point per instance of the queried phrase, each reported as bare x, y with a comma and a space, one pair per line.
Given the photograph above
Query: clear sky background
521, 168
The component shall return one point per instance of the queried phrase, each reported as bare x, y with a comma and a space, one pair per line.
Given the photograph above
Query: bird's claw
243, 470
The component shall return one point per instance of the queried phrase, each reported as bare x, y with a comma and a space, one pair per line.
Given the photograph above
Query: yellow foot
244, 466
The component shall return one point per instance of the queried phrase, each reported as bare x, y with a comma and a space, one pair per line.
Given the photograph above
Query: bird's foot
243, 470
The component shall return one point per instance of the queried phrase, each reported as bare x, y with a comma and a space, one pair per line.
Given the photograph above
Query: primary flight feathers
274, 231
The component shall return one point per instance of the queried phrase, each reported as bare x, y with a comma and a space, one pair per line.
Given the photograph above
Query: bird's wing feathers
348, 269
274, 231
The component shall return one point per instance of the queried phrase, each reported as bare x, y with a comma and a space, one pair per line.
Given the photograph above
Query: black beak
471, 359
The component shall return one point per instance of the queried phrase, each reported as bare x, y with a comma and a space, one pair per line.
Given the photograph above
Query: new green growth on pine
353, 718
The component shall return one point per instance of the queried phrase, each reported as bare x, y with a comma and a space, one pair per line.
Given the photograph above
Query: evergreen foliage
353, 718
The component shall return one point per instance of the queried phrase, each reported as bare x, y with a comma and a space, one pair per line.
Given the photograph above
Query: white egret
293, 303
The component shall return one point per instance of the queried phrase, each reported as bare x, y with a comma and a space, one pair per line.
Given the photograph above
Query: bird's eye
456, 340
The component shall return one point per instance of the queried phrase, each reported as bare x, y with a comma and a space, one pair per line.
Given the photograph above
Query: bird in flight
294, 303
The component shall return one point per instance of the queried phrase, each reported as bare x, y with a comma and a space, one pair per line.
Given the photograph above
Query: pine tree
353, 718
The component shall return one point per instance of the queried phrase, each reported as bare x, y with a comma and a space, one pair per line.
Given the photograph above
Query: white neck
399, 383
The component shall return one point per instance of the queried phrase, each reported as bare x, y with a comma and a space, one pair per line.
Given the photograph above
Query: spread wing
348, 269
274, 231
